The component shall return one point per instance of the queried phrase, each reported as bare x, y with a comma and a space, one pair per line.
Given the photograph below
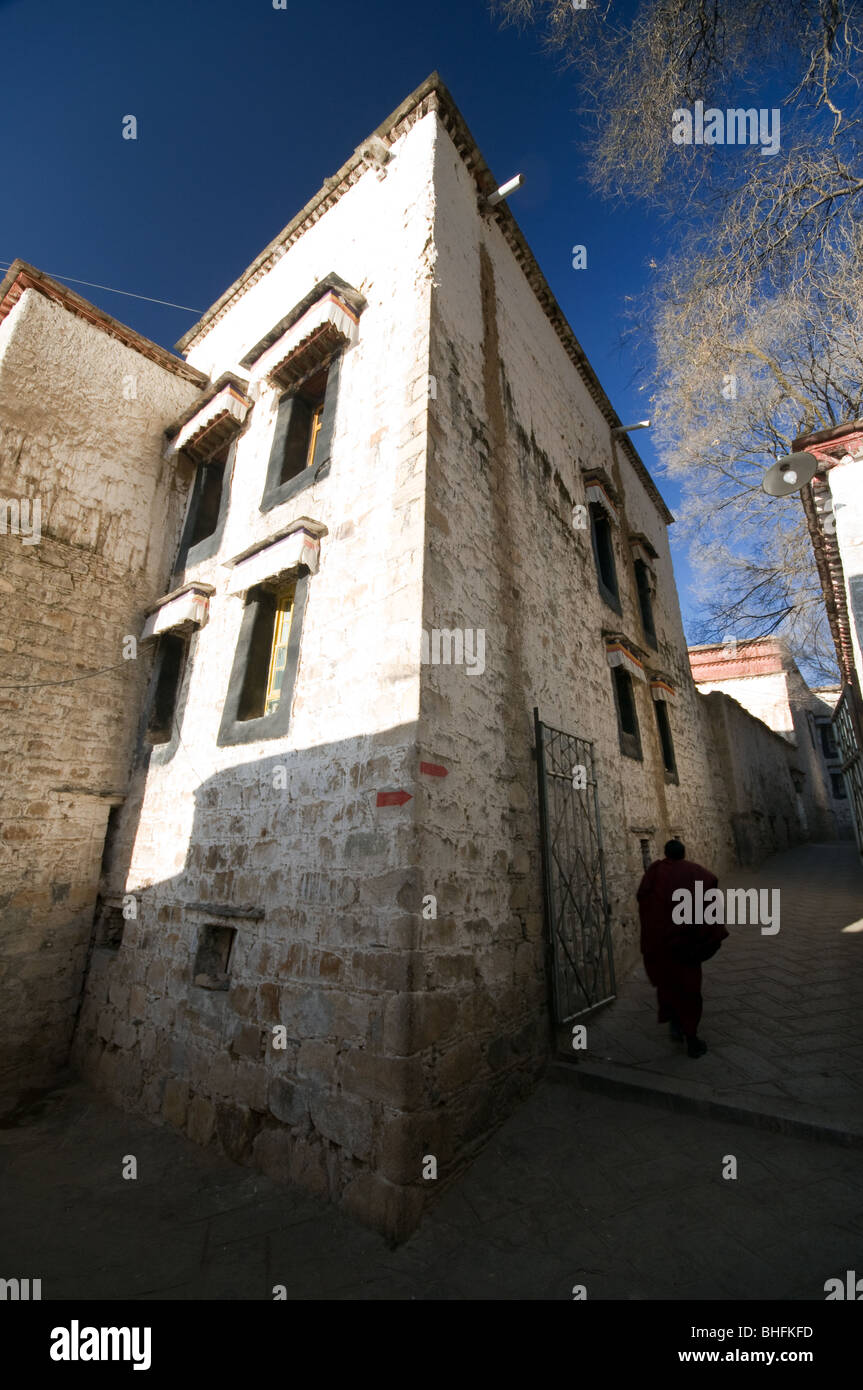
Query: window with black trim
663, 723
601, 530
265, 668
627, 715
302, 440
645, 600
208, 500
260, 690
828, 742
168, 669
207, 508
302, 411
837, 784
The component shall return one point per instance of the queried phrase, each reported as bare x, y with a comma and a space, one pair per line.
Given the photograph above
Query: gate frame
547, 885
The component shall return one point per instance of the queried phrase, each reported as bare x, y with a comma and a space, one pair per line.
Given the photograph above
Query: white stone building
419, 704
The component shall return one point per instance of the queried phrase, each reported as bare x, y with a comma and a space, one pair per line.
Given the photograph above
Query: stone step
693, 1097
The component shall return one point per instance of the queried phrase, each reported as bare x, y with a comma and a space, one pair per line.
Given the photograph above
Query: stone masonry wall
401, 947
758, 794
511, 430
763, 677
291, 827
110, 512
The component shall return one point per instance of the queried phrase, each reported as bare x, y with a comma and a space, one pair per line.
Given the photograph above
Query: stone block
309, 1167
396, 1081
316, 1061
394, 1210
248, 1041
242, 1000
273, 1151
105, 1025
200, 1120
388, 970
268, 1006
137, 1002
220, 1075
287, 1100
125, 1033
345, 1120
413, 1022
251, 1081
236, 1128
118, 993
458, 1066
175, 1099
405, 1140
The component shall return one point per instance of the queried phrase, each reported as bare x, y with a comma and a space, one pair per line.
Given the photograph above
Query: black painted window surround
167, 678
602, 538
208, 510
663, 723
287, 470
240, 722
645, 602
627, 714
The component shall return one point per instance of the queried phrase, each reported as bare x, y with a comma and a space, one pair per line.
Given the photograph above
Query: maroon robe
663, 942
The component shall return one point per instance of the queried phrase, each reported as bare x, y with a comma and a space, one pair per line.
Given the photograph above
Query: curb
612, 1079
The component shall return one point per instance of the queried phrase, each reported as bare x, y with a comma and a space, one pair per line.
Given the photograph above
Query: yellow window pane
279, 652
316, 429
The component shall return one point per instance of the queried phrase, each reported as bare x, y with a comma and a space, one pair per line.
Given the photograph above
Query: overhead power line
128, 293
40, 685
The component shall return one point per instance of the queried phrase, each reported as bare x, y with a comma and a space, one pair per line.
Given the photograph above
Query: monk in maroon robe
673, 950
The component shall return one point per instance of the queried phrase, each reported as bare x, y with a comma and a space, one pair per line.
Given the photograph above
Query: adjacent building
763, 677
89, 521
833, 503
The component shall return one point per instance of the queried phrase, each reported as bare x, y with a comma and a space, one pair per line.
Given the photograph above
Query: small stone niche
213, 958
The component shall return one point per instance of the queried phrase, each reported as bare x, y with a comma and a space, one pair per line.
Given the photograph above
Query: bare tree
733, 400
754, 320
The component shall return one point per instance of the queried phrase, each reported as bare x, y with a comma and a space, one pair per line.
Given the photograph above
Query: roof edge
22, 276
434, 95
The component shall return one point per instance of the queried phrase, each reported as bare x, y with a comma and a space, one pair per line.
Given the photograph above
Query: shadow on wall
285, 996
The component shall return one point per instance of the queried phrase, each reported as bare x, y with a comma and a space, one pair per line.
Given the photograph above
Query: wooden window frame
611, 595
664, 730
191, 554
282, 620
276, 723
630, 743
160, 731
319, 455
645, 601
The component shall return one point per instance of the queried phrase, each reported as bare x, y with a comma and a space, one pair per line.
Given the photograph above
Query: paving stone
782, 1014
576, 1186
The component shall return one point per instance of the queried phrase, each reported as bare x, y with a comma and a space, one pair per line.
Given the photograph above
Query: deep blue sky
242, 112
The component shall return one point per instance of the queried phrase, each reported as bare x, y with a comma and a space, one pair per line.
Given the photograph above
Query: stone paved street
783, 1014
576, 1188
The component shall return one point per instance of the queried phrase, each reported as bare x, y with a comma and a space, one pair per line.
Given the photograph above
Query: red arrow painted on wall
393, 798
434, 769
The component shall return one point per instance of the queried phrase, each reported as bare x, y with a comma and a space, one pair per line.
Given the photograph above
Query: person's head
675, 849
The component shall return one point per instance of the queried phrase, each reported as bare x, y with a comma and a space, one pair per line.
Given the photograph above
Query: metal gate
576, 900
845, 727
